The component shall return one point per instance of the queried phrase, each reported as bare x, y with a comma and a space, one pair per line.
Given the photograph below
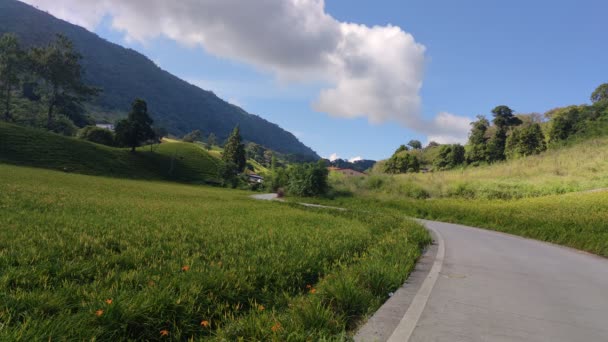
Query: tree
402, 164
415, 144
433, 144
503, 120
525, 141
255, 152
503, 117
401, 149
193, 136
563, 124
136, 128
97, 135
234, 150
211, 140
600, 94
308, 180
58, 67
11, 63
450, 156
478, 141
268, 157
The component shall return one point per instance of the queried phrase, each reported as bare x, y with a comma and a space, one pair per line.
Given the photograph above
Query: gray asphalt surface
497, 287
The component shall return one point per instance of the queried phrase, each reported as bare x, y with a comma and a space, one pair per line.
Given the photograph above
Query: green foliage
136, 128
234, 150
170, 257
61, 124
525, 140
178, 161
477, 151
564, 123
401, 148
415, 144
402, 163
193, 136
600, 94
11, 65
450, 156
307, 180
97, 135
58, 68
503, 117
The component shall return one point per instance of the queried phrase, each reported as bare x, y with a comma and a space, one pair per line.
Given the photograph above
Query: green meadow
95, 258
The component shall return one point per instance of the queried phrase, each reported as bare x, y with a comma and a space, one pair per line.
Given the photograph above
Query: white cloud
372, 72
355, 159
447, 128
334, 157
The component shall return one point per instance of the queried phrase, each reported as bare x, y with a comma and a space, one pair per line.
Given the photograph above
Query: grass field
578, 167
87, 258
173, 161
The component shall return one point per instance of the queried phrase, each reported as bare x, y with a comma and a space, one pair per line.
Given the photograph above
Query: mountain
124, 74
359, 165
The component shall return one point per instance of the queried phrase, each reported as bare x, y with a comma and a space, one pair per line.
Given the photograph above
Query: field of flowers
85, 257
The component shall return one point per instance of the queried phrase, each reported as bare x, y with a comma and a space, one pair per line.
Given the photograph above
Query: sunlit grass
88, 257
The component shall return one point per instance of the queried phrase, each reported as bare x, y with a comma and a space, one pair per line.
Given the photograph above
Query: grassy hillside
125, 74
576, 167
169, 161
87, 258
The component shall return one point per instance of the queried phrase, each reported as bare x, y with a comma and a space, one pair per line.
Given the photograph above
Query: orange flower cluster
276, 327
98, 313
205, 324
164, 332
313, 290
261, 307
108, 301
185, 268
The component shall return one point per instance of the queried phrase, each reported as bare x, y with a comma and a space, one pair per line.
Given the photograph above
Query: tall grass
99, 258
561, 170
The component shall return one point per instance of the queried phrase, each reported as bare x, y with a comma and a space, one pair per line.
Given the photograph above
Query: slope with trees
124, 75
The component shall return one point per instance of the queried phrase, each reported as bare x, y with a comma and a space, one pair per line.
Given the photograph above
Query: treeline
507, 136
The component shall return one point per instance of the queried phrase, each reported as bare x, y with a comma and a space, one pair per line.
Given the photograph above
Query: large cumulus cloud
373, 72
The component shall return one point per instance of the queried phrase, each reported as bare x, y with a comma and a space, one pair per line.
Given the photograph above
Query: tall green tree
503, 120
477, 151
525, 140
415, 144
11, 65
60, 74
450, 156
193, 136
234, 150
600, 94
136, 128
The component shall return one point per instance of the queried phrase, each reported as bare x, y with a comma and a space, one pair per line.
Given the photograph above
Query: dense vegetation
507, 137
146, 260
124, 75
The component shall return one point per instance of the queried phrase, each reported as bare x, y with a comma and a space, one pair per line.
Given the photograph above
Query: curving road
489, 286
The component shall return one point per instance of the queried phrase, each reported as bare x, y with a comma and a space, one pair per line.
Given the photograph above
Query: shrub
97, 135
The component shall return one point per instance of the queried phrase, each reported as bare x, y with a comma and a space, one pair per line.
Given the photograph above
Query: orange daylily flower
313, 290
186, 268
261, 307
108, 301
276, 327
164, 332
205, 324
99, 312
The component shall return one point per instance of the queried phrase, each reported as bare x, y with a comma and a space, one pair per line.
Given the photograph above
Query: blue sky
530, 55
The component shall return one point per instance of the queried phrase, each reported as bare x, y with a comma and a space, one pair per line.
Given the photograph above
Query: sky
355, 79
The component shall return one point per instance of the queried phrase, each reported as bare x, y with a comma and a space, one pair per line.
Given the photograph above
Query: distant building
109, 127
253, 178
347, 172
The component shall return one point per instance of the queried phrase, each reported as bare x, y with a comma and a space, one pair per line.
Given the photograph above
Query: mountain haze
124, 74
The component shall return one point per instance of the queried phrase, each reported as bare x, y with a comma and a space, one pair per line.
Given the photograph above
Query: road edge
408, 323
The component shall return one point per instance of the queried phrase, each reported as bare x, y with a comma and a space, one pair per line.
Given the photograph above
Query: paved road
497, 287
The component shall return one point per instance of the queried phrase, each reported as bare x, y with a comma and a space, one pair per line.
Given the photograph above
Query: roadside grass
87, 258
173, 161
577, 220
571, 168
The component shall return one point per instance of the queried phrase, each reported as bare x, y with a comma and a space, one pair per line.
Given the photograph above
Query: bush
97, 135
307, 180
63, 125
